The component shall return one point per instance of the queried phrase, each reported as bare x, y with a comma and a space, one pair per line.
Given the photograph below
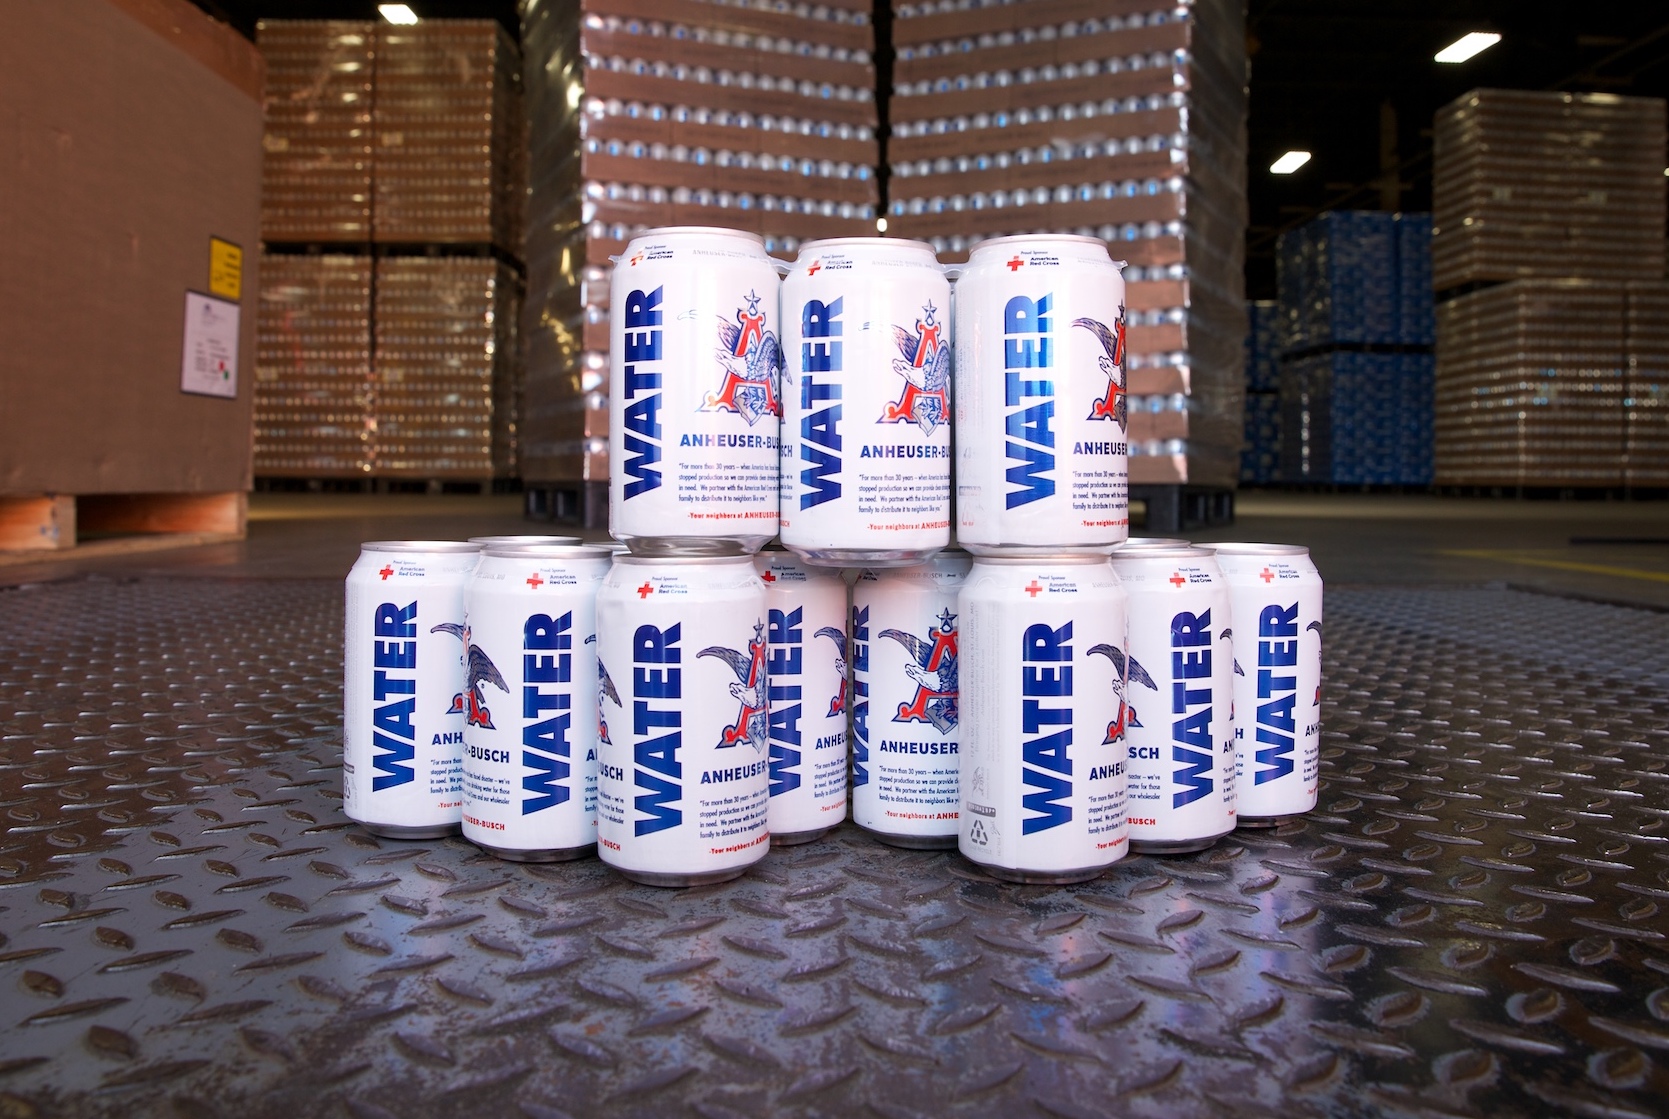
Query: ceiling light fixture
880, 225
1469, 44
1289, 163
400, 14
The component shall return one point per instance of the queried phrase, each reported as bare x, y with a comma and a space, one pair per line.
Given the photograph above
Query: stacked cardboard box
402, 141
1555, 383
316, 175
1551, 382
313, 389
1124, 121
1547, 184
448, 163
1260, 454
445, 332
683, 112
1356, 323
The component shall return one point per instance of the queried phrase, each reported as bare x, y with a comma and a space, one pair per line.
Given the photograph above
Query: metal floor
1473, 923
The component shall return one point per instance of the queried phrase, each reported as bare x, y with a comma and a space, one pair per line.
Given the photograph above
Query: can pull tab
953, 272
617, 259
1121, 265
783, 267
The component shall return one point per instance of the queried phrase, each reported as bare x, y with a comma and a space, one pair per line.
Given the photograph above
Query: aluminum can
1042, 415
1277, 678
1043, 757
906, 703
866, 403
805, 640
695, 366
1179, 694
683, 780
541, 541
1136, 543
403, 687
530, 727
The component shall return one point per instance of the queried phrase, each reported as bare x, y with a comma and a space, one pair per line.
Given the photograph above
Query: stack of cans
701, 693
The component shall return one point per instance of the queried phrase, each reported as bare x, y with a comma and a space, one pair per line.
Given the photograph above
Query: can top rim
634, 559
1049, 238
490, 541
447, 547
1043, 559
825, 242
1190, 552
1248, 548
701, 230
951, 556
547, 551
1146, 543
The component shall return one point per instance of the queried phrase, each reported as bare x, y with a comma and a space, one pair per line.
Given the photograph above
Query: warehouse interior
1397, 292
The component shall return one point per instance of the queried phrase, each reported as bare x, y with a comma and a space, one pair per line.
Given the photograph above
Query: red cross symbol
534, 581
635, 258
1176, 579
645, 591
768, 577
1014, 265
1266, 575
1033, 589
815, 265
385, 573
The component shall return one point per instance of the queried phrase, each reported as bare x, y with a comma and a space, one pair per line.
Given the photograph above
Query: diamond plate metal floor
1472, 924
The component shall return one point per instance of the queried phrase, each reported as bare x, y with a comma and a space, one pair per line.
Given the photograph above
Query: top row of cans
819, 405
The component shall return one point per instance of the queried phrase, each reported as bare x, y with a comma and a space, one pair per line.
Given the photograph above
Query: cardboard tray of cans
1553, 383
313, 384
1548, 184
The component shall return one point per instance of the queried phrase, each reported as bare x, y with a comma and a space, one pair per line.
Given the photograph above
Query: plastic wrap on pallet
448, 135
1547, 184
316, 163
1263, 364
1356, 418
1646, 389
1123, 122
1260, 456
1356, 277
313, 388
1530, 385
446, 405
679, 113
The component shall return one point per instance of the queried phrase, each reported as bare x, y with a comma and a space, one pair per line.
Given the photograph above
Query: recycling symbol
977, 833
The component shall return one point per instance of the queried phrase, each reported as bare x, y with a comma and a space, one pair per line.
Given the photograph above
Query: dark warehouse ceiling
1339, 78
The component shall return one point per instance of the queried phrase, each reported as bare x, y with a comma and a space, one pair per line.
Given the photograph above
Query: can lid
1141, 543
1189, 552
1099, 551
1244, 548
881, 242
1008, 554
699, 231
991, 243
635, 560
488, 540
548, 551
445, 547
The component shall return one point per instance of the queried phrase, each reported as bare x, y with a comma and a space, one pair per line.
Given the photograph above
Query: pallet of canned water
683, 785
866, 466
529, 640
1179, 697
1043, 774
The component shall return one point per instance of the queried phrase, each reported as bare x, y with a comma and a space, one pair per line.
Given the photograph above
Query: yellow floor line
1564, 565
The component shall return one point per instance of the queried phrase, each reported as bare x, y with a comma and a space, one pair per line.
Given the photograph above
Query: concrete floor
1573, 547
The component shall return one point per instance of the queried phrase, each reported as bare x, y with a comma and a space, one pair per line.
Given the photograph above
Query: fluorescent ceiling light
1473, 42
398, 13
1289, 163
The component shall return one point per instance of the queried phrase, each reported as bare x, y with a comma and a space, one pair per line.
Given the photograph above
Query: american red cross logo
768, 577
1032, 589
645, 591
1176, 579
534, 581
815, 265
385, 573
1266, 575
636, 257
1014, 265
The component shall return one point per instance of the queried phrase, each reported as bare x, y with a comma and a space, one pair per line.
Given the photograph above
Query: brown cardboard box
132, 135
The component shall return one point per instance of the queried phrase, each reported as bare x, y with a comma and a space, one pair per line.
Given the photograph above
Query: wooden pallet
38, 526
